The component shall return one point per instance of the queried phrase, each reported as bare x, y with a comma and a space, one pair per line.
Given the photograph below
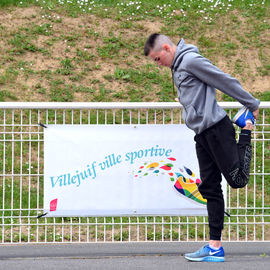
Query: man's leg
210, 188
233, 159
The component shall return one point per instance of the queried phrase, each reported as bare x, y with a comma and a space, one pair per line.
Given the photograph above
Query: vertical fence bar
204, 229
229, 203
263, 170
187, 229
96, 230
53, 236
63, 231
87, 230
21, 179
38, 173
138, 229
71, 230
55, 117
154, 232
29, 174
163, 117
171, 229
104, 229
129, 230
162, 222
179, 229
4, 176
12, 175
64, 117
79, 229
237, 204
145, 226
254, 184
46, 230
72, 117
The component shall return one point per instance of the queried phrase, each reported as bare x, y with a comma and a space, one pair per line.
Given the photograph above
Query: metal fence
21, 179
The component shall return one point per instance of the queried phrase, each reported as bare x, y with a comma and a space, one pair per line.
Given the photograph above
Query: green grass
5, 3
60, 91
7, 96
22, 44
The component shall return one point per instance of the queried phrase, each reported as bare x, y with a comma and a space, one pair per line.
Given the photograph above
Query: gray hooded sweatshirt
197, 80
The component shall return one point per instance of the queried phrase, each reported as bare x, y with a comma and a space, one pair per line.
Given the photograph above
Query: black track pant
219, 153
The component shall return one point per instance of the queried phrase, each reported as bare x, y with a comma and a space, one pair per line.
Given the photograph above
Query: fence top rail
111, 105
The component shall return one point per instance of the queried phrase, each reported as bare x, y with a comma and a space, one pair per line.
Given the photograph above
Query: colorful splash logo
185, 182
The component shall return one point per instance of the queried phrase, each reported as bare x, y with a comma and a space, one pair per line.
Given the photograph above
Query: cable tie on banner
42, 215
42, 125
227, 214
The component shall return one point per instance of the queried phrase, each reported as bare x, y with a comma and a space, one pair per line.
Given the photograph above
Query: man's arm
256, 113
204, 70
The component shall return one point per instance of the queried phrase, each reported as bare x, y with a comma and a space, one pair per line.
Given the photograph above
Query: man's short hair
155, 42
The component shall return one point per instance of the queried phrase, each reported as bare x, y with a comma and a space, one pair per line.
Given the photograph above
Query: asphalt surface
103, 256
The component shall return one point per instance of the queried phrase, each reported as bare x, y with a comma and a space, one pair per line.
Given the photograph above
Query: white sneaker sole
206, 259
240, 112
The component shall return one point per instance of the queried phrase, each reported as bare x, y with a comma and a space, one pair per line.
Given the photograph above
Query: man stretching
217, 150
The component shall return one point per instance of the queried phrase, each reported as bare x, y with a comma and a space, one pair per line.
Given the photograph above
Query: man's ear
166, 47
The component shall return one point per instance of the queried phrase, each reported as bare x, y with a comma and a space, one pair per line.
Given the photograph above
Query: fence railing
21, 179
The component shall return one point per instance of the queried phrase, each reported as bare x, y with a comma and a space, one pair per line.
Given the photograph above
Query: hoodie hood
181, 50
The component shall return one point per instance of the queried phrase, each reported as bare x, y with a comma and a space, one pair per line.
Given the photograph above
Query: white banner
118, 170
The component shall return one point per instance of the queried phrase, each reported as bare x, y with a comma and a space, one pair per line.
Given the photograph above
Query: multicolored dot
189, 172
166, 168
152, 165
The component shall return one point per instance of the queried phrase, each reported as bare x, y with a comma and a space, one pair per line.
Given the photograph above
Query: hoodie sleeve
205, 71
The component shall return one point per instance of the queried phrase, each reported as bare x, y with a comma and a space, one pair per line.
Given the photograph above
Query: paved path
118, 256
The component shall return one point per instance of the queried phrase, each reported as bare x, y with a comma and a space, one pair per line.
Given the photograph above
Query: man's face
163, 57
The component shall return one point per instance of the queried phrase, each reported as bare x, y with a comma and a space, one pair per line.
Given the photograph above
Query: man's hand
256, 113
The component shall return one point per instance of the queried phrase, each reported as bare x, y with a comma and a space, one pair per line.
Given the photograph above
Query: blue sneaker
244, 115
206, 254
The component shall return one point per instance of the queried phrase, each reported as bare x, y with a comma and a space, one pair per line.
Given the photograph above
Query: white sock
248, 121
